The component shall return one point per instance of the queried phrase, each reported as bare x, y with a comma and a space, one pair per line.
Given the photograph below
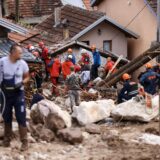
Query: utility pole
158, 40
17, 10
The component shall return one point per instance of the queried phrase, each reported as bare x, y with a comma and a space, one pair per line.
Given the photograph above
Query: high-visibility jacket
66, 65
55, 68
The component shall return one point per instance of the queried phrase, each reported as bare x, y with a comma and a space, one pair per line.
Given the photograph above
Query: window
107, 45
86, 42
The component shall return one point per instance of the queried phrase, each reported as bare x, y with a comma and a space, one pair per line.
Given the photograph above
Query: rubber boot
23, 138
7, 134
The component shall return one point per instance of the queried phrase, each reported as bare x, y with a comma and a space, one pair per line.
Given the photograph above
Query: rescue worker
109, 65
85, 59
96, 62
150, 79
14, 73
72, 86
70, 52
66, 65
129, 90
85, 75
55, 66
45, 57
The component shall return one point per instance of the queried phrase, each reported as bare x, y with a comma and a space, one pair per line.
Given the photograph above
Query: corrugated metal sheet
77, 3
14, 27
5, 47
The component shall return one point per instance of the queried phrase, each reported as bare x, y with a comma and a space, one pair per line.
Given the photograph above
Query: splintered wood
85, 96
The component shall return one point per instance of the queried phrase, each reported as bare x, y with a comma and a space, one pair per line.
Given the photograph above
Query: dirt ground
117, 141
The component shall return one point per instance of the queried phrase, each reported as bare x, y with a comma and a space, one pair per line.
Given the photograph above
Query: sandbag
46, 107
93, 111
136, 111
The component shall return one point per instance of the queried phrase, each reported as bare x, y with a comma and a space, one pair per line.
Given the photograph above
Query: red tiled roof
78, 19
16, 37
30, 8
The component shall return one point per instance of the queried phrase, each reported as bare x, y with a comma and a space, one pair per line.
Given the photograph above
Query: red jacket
66, 68
109, 65
55, 68
85, 58
45, 54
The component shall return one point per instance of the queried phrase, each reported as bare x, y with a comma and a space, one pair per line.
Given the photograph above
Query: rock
44, 108
31, 139
71, 135
136, 110
85, 135
93, 129
47, 135
55, 122
93, 111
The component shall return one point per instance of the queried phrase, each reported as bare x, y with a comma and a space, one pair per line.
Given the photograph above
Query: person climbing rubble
55, 68
129, 90
45, 57
96, 62
150, 79
66, 65
14, 74
73, 87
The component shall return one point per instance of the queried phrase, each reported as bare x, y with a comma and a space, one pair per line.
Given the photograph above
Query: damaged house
69, 23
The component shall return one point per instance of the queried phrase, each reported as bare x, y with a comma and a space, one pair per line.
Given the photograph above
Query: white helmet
83, 51
70, 56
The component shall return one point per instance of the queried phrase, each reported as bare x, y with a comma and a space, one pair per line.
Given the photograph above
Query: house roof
63, 48
14, 27
95, 2
77, 20
127, 32
5, 50
16, 37
34, 8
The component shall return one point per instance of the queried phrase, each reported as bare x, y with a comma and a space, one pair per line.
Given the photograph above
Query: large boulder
93, 111
42, 111
71, 135
137, 110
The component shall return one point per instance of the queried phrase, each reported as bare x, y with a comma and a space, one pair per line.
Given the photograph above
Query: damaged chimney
57, 16
65, 33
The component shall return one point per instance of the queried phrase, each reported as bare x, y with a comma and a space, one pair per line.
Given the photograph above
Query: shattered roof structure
5, 50
14, 27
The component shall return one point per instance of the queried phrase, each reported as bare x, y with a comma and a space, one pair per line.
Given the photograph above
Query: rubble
41, 111
93, 129
55, 122
93, 111
71, 135
133, 110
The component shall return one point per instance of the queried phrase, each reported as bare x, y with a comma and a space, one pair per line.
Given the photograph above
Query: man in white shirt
14, 73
